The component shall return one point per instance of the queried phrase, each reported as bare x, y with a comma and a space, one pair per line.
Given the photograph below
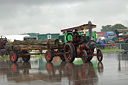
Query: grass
111, 50
4, 58
37, 56
7, 57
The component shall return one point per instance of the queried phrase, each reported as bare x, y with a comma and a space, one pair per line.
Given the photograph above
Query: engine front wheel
69, 52
99, 55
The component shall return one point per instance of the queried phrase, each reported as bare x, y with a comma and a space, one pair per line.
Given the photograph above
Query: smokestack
90, 29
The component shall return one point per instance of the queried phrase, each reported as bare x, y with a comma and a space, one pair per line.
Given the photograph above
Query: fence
116, 46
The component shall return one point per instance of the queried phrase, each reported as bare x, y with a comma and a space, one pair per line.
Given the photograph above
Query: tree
106, 28
112, 28
118, 26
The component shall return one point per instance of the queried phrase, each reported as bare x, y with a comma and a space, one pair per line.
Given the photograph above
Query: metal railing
116, 46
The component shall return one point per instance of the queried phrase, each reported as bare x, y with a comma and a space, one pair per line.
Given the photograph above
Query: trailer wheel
13, 57
69, 52
26, 58
99, 55
84, 56
49, 56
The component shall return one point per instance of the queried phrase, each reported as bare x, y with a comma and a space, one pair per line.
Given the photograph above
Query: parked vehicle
122, 35
81, 46
20, 49
122, 38
108, 36
78, 44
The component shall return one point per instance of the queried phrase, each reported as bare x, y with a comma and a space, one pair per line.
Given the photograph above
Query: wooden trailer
17, 49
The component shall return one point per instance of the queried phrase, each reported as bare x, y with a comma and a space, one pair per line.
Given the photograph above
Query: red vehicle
81, 46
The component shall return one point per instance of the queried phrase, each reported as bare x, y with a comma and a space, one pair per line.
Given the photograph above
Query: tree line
113, 27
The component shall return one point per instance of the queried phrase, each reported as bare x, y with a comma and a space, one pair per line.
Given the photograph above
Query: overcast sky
50, 16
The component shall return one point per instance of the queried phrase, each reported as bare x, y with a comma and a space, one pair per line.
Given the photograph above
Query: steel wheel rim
67, 53
47, 56
99, 55
13, 57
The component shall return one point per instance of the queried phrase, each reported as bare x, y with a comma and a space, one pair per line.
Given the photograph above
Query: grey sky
50, 16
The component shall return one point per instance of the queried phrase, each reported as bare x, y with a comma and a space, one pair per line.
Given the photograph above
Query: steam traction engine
81, 46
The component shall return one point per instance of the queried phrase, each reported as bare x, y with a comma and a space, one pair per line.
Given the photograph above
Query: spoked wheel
99, 55
49, 56
13, 57
26, 58
84, 56
69, 52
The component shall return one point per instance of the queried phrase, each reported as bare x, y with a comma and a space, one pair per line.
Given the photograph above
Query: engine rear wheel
99, 55
69, 52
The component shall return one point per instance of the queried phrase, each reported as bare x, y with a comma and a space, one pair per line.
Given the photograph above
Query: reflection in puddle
81, 74
122, 57
75, 74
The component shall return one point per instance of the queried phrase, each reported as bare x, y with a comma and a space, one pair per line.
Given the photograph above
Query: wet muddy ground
113, 70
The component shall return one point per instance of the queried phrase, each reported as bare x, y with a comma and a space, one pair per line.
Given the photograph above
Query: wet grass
6, 57
37, 55
111, 50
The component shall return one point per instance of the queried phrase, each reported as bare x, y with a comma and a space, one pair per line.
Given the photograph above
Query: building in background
48, 36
